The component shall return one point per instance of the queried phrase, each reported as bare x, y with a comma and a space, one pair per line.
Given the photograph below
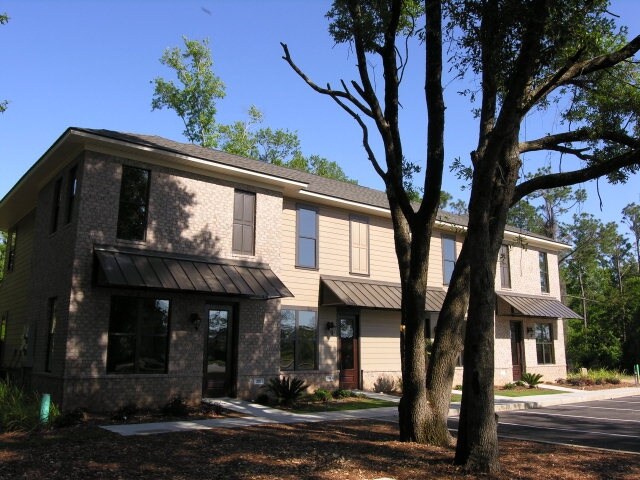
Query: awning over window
340, 291
531, 306
130, 268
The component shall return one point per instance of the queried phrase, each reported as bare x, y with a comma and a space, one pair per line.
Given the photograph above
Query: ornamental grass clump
20, 409
286, 390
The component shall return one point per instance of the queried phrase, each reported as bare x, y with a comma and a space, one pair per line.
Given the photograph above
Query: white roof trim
347, 203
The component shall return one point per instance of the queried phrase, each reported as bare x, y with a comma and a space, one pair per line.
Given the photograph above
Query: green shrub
384, 384
532, 379
520, 383
176, 407
125, 412
342, 393
321, 395
595, 376
286, 390
509, 386
263, 399
71, 418
20, 410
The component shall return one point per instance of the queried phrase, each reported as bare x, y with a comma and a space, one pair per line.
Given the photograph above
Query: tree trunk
447, 346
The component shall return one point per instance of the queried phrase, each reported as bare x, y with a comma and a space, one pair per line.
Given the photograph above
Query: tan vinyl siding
380, 340
13, 294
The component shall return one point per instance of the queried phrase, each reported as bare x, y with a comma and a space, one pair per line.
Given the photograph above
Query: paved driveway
607, 424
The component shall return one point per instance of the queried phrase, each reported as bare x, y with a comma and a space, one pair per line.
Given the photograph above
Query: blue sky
90, 63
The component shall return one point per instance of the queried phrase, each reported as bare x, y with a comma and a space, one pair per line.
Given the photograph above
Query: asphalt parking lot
606, 424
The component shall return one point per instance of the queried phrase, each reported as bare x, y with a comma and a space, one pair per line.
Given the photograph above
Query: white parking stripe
568, 430
599, 408
531, 412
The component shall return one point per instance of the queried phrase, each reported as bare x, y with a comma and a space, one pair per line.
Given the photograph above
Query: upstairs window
307, 238
544, 272
134, 204
359, 241
544, 343
244, 222
57, 192
138, 335
505, 269
448, 257
72, 190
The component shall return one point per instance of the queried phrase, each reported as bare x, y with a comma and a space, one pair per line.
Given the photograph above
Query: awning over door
341, 291
534, 306
131, 268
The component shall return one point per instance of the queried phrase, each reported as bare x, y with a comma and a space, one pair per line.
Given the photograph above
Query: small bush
286, 390
263, 399
70, 418
176, 407
125, 412
520, 383
20, 410
458, 387
384, 384
341, 393
509, 386
532, 379
321, 395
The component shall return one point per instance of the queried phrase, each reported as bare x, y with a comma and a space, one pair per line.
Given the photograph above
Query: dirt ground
346, 450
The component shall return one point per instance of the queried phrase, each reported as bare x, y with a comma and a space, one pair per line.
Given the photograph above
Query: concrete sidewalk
262, 415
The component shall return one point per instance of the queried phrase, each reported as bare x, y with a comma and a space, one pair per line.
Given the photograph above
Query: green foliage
194, 98
176, 407
384, 384
125, 412
3, 249
532, 379
509, 386
342, 393
286, 390
321, 395
594, 346
596, 376
4, 18
20, 410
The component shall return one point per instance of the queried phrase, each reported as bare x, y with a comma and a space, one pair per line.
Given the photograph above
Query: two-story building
139, 269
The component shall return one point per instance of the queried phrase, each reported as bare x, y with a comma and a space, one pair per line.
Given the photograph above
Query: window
3, 335
505, 269
138, 335
359, 241
244, 222
544, 343
72, 190
544, 272
307, 244
298, 340
448, 257
53, 320
10, 261
57, 191
134, 203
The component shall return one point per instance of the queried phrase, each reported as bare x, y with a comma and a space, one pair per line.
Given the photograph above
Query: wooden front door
349, 353
220, 352
517, 349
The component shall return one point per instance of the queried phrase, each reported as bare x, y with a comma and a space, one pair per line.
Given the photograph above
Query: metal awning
341, 291
534, 306
132, 268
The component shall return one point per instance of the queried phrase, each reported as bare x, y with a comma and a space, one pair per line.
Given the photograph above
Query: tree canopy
194, 98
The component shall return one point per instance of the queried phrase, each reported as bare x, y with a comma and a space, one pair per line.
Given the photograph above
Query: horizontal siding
380, 341
14, 296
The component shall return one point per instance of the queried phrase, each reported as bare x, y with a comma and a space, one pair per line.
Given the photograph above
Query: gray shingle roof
316, 184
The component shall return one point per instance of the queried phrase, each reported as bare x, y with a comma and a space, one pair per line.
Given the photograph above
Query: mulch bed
345, 450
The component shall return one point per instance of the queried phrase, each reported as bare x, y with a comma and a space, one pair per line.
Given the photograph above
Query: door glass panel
217, 341
347, 332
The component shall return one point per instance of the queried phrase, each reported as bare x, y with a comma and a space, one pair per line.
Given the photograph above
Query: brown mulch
345, 450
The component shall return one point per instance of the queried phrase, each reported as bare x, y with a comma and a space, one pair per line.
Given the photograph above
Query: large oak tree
526, 55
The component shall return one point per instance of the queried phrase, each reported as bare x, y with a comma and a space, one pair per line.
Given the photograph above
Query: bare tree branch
551, 142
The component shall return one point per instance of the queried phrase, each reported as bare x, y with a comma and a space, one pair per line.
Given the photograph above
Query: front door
220, 352
517, 357
349, 352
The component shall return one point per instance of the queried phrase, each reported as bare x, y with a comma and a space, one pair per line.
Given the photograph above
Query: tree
631, 216
4, 18
524, 53
195, 98
3, 247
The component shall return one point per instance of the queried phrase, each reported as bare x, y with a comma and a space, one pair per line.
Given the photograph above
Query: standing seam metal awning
341, 291
531, 306
131, 268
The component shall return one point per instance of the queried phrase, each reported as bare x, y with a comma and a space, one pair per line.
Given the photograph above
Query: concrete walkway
262, 415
